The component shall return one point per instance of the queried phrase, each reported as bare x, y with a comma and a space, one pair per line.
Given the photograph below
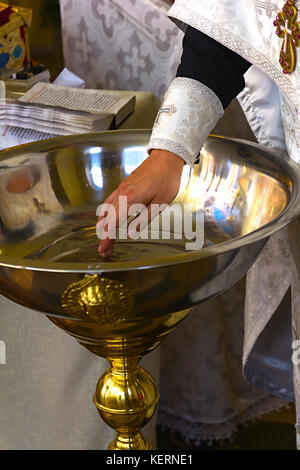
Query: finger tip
104, 250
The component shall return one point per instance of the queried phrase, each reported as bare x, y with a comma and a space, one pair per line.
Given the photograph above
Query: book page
12, 135
94, 101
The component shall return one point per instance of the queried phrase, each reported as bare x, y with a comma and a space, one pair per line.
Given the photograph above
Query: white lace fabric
189, 112
198, 432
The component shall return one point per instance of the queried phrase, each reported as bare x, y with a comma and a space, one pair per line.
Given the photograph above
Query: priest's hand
155, 181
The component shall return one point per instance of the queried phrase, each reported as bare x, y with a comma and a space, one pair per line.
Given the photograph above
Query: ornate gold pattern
98, 299
11, 41
288, 29
126, 396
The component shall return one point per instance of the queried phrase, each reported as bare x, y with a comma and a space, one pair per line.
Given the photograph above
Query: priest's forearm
208, 78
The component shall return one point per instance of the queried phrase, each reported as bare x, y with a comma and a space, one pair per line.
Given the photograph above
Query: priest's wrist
165, 158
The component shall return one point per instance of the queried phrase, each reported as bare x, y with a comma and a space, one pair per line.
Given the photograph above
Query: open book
108, 103
48, 110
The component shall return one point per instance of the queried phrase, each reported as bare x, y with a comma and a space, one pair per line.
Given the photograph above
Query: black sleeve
212, 64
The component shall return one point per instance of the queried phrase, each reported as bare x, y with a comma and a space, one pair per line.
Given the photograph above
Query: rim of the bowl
291, 211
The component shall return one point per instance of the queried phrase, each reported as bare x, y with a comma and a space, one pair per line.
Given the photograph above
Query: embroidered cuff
189, 113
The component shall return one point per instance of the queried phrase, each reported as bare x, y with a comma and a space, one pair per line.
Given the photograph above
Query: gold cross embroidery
288, 29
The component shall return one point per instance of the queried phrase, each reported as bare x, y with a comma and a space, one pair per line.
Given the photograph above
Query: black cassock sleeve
212, 64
